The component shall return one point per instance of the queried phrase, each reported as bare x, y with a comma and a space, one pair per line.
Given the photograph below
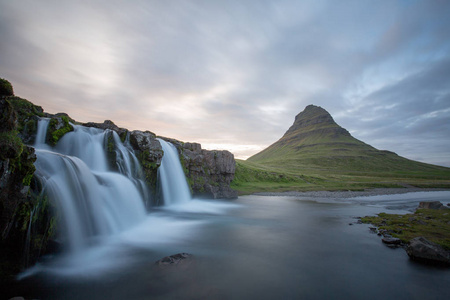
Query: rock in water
432, 205
173, 259
420, 249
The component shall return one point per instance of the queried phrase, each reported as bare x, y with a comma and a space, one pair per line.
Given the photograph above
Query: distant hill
315, 141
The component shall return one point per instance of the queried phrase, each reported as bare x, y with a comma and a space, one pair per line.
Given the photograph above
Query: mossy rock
6, 88
57, 128
28, 115
8, 116
11, 145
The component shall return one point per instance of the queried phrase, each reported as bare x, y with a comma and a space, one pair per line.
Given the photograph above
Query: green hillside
317, 154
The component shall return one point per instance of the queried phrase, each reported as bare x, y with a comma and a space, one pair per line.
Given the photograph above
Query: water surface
256, 247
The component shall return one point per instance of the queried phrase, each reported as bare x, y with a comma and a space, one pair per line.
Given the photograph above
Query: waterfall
42, 133
128, 165
172, 179
93, 201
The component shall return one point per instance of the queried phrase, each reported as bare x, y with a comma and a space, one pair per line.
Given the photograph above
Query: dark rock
149, 153
431, 205
420, 249
391, 240
174, 259
107, 125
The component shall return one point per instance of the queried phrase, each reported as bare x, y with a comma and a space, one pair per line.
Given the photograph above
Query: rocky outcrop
108, 124
149, 153
209, 172
421, 249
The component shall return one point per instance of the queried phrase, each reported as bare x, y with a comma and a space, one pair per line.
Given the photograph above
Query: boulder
431, 205
421, 249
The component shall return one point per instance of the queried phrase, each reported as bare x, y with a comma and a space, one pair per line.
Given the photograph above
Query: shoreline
351, 194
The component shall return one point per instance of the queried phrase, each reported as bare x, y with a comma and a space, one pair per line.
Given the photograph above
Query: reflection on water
253, 248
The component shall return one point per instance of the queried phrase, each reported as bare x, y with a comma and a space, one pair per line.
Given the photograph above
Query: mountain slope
315, 143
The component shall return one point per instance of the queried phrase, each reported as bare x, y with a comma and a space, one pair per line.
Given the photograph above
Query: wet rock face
209, 172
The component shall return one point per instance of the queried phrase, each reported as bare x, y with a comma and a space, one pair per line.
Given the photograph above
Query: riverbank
351, 194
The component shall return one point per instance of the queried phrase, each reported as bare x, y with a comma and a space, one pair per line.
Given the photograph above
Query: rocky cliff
25, 221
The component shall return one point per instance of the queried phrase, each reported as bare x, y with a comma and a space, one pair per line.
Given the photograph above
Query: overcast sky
234, 74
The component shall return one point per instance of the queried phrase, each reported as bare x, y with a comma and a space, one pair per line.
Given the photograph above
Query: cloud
236, 73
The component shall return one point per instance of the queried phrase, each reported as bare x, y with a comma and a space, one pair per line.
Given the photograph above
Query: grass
432, 224
251, 177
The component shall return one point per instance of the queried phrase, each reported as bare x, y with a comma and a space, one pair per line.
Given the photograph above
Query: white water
42, 134
175, 189
93, 201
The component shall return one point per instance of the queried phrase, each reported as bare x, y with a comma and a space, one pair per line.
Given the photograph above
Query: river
256, 247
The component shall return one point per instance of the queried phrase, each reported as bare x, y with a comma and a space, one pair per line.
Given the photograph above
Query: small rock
421, 249
173, 259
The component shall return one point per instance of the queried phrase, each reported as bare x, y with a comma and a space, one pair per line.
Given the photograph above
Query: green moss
53, 134
432, 224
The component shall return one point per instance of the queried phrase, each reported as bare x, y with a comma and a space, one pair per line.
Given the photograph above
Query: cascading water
93, 200
175, 189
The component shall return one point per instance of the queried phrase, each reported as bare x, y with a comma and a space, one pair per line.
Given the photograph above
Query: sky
234, 74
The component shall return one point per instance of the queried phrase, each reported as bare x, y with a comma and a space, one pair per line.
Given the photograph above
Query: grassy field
252, 177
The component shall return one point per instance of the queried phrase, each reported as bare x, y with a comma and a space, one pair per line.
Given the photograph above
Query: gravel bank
351, 194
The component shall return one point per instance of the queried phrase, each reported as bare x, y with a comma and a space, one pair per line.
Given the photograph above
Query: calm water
253, 248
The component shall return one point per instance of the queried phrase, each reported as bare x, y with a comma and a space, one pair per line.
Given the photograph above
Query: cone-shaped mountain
315, 141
